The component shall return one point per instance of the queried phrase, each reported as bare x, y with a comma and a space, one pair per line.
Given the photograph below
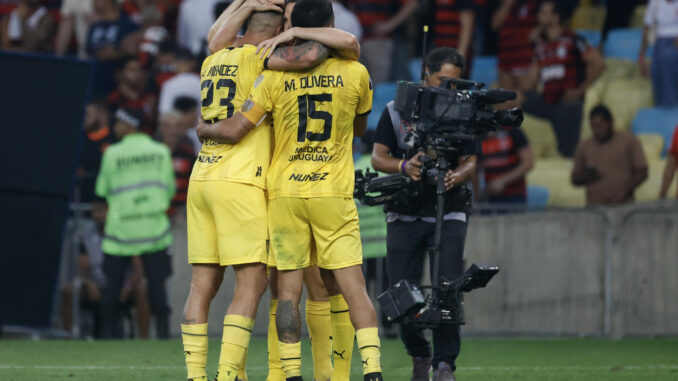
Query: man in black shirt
409, 233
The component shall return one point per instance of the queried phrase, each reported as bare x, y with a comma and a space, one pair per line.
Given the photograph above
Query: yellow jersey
226, 79
313, 113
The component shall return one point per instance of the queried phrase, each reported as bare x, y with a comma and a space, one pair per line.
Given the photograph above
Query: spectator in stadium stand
506, 159
381, 21
132, 92
453, 24
173, 135
104, 42
98, 136
189, 114
662, 16
346, 20
137, 181
195, 19
670, 169
611, 164
566, 66
29, 27
93, 280
146, 41
186, 82
75, 19
515, 21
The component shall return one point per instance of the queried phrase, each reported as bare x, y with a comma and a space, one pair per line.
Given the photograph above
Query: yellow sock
275, 372
236, 339
320, 330
370, 349
343, 335
242, 372
290, 357
194, 337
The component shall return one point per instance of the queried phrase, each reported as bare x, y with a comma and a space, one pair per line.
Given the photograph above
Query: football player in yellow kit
327, 316
310, 184
226, 202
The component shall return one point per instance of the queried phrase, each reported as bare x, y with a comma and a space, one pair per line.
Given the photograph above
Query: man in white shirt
346, 20
186, 83
195, 19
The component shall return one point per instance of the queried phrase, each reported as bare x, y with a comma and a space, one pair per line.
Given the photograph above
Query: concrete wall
567, 272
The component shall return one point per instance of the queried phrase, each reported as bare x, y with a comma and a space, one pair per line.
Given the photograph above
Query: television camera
443, 122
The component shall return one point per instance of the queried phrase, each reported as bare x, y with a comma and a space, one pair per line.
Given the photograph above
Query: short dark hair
312, 14
437, 57
562, 8
185, 104
601, 111
121, 64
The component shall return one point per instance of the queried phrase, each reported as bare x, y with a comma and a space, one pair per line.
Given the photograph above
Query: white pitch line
460, 369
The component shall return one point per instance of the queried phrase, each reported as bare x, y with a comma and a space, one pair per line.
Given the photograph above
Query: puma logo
187, 353
364, 362
340, 354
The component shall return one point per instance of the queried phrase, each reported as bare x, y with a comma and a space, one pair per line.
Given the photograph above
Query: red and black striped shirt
561, 64
371, 12
447, 26
500, 155
515, 50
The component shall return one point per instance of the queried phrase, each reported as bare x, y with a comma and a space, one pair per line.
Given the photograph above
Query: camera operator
410, 232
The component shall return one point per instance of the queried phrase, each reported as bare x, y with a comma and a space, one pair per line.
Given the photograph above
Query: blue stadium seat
623, 43
414, 66
537, 196
661, 121
592, 37
383, 93
484, 69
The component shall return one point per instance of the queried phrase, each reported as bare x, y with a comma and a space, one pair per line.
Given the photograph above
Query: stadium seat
537, 196
589, 17
649, 190
484, 69
554, 174
657, 121
623, 43
625, 97
592, 37
540, 135
414, 66
653, 145
383, 93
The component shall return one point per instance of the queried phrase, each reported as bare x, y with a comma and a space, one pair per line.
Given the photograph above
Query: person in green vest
137, 181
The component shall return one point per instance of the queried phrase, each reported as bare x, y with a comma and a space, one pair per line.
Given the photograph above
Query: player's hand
200, 130
266, 5
413, 167
450, 180
267, 47
644, 66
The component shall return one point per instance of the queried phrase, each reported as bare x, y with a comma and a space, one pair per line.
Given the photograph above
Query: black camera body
405, 301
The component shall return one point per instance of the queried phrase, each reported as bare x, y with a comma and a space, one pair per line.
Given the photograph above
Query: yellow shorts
226, 223
331, 223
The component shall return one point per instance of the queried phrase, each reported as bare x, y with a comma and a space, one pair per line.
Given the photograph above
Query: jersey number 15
307, 110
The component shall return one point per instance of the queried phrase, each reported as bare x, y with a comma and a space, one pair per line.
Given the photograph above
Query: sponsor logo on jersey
308, 153
209, 159
305, 177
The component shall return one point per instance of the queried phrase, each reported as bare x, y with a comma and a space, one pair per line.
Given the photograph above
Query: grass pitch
481, 359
